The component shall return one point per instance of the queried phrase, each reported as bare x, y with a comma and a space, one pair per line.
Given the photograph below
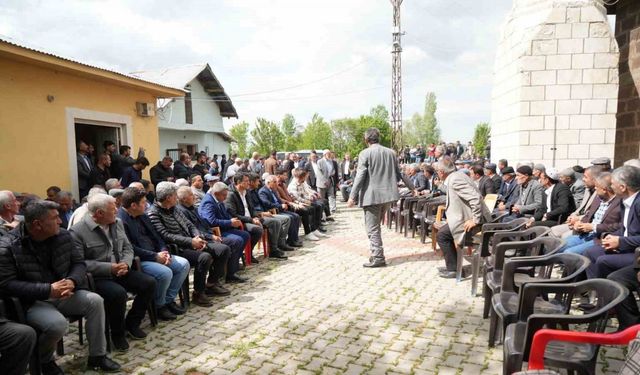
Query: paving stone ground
321, 312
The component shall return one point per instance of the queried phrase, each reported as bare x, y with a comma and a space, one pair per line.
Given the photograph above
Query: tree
348, 133
266, 137
481, 138
290, 133
317, 135
423, 129
240, 132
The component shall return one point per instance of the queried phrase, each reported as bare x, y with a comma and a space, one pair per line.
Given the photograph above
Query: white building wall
173, 128
555, 77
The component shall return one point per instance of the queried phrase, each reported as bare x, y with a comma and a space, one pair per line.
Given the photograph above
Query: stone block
523, 138
607, 121
563, 31
547, 32
581, 91
531, 152
568, 137
597, 151
529, 63
568, 107
573, 15
579, 30
545, 77
555, 92
594, 45
577, 149
545, 107
612, 106
591, 14
614, 76
595, 76
582, 61
580, 122
593, 136
606, 60
599, 30
529, 93
605, 91
594, 106
610, 136
532, 123
547, 152
569, 76
524, 108
572, 45
557, 15
545, 47
555, 62
540, 137
557, 122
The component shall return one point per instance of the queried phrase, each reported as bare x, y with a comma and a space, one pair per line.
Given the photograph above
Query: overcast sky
263, 45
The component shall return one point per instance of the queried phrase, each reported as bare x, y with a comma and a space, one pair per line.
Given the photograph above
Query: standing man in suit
346, 168
465, 210
326, 184
617, 249
375, 186
84, 169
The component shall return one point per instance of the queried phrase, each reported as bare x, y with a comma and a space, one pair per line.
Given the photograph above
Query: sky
330, 57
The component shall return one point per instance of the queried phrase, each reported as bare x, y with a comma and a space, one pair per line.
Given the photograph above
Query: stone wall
555, 82
628, 37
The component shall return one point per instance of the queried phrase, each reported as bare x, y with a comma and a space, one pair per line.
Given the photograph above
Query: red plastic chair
265, 246
544, 336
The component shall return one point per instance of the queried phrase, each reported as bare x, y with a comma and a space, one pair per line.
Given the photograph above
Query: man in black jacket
484, 183
239, 206
155, 258
162, 171
182, 168
490, 171
558, 202
40, 265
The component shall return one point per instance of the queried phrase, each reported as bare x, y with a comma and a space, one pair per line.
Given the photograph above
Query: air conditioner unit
146, 109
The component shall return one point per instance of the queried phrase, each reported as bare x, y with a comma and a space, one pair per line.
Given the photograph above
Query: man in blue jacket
155, 259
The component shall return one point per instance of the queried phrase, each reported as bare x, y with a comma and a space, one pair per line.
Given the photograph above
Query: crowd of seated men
129, 237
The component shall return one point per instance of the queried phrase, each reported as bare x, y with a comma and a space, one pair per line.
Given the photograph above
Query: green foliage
348, 133
266, 136
317, 135
481, 138
292, 137
240, 132
423, 129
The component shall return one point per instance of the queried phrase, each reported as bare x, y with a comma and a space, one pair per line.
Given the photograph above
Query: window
188, 109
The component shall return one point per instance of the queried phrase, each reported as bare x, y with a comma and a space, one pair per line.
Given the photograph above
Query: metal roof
22, 45
182, 76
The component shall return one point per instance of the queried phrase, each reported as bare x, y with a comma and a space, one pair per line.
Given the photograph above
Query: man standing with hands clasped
376, 186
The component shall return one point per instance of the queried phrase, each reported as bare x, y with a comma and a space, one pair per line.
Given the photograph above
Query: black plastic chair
419, 215
572, 356
504, 305
407, 214
183, 294
507, 245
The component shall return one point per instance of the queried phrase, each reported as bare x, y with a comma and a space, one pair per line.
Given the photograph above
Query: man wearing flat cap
576, 186
537, 170
490, 171
509, 190
531, 198
604, 163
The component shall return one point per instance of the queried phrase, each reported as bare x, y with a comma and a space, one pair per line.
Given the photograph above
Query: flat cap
601, 161
491, 167
539, 167
508, 170
116, 192
525, 169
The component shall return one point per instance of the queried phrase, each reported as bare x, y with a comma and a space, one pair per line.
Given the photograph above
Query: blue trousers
577, 244
169, 278
603, 264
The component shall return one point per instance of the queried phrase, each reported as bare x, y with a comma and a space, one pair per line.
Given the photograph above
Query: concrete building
49, 103
555, 95
194, 122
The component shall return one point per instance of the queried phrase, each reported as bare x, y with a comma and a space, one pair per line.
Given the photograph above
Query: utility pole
396, 78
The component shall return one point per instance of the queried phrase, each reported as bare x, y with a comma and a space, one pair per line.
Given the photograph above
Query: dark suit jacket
267, 198
485, 185
133, 234
611, 221
84, 173
182, 171
497, 183
311, 177
510, 195
214, 213
562, 204
629, 243
236, 207
420, 181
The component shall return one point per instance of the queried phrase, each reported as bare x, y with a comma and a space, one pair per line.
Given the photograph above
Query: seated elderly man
270, 200
576, 186
197, 185
65, 201
108, 255
9, 209
40, 265
79, 213
285, 222
155, 259
176, 229
509, 190
617, 249
558, 200
602, 217
531, 198
589, 176
240, 207
235, 243
310, 215
302, 192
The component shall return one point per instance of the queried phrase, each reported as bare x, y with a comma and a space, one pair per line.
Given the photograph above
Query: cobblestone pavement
321, 312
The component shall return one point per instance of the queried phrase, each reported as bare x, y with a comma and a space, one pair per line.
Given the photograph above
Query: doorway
96, 135
188, 148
